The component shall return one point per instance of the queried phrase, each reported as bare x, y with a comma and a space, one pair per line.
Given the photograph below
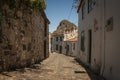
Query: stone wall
23, 33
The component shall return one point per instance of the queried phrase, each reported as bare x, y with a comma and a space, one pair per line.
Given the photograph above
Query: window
73, 46
109, 25
56, 38
91, 4
60, 38
83, 11
82, 41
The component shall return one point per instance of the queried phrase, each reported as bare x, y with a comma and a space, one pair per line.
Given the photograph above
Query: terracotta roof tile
73, 39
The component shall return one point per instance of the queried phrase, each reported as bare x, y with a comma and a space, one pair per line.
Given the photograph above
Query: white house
70, 41
98, 36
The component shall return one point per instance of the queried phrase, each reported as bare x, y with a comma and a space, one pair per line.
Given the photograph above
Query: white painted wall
105, 44
88, 24
74, 51
54, 43
112, 41
71, 52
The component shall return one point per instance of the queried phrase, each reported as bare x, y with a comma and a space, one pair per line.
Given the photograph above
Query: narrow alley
56, 67
59, 40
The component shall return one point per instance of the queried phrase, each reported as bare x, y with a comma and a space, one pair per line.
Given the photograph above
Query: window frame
56, 38
91, 4
83, 11
82, 44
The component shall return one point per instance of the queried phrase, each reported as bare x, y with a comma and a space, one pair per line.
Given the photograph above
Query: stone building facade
23, 35
56, 42
64, 34
98, 32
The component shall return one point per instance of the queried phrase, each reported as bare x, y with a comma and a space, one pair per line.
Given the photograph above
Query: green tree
36, 4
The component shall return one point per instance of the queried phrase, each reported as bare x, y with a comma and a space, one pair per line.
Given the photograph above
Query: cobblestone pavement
56, 67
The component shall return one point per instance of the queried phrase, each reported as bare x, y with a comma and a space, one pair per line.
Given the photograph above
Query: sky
58, 10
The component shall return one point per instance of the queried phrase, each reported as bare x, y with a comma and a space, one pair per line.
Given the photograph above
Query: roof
79, 5
73, 39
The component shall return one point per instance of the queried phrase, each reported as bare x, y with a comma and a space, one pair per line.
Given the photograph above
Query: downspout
104, 37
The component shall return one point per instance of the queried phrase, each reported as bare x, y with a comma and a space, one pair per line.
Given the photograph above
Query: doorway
60, 49
89, 45
67, 49
45, 56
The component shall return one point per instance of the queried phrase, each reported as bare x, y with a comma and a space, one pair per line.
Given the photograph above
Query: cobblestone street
56, 67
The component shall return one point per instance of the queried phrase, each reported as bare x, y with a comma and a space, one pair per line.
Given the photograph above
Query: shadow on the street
91, 74
79, 71
34, 67
5, 74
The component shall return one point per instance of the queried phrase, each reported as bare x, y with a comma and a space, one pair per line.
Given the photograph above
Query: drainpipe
104, 37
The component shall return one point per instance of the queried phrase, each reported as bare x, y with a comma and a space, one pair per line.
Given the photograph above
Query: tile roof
73, 39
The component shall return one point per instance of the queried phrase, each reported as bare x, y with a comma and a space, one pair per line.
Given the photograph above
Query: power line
71, 10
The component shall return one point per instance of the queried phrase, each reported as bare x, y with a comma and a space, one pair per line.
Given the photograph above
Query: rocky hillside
64, 25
